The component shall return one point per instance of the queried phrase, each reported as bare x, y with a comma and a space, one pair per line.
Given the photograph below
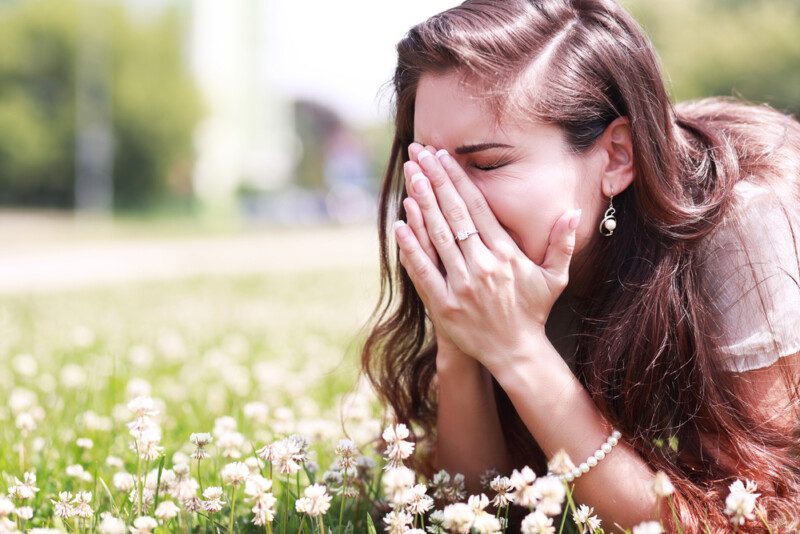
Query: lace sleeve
752, 275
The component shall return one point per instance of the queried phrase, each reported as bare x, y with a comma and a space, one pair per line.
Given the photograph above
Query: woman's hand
492, 301
446, 348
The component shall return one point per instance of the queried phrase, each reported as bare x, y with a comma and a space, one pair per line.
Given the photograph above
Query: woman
634, 268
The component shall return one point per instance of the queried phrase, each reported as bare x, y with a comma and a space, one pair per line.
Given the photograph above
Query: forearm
559, 413
469, 436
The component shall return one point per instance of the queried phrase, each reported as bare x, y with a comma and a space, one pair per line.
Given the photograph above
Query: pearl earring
609, 222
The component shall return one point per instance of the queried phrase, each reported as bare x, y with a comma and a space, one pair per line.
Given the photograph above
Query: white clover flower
192, 504
24, 512
165, 483
648, 527
264, 509
560, 463
143, 406
213, 499
396, 481
741, 501
84, 443
346, 451
584, 519
166, 510
6, 506
7, 525
257, 485
223, 425
537, 523
458, 517
504, 491
200, 439
25, 423
21, 399
110, 524
148, 495
230, 444
478, 502
550, 493
257, 488
181, 470
63, 506
143, 524
397, 521
397, 448
416, 501
486, 523
235, 473
289, 454
184, 487
77, 471
123, 481
114, 461
253, 465
524, 493
24, 489
258, 412
662, 487
81, 502
266, 453
315, 501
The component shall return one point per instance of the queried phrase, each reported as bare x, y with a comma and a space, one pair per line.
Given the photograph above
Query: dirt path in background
39, 255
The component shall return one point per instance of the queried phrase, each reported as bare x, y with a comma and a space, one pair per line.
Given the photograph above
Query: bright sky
325, 50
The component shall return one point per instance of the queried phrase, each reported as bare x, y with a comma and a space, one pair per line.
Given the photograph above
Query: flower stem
341, 503
233, 505
139, 476
321, 524
286, 507
674, 515
199, 480
763, 519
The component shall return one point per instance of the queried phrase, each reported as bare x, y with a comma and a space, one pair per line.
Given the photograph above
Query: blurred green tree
748, 49
155, 104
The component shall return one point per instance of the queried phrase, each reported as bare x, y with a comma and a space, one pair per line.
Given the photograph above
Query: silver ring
462, 235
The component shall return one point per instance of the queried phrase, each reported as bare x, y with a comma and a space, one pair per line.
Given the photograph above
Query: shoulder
750, 270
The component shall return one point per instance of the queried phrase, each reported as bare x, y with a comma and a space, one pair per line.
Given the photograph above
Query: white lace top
758, 308
747, 301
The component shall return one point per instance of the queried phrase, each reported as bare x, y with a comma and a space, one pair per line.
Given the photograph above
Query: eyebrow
469, 149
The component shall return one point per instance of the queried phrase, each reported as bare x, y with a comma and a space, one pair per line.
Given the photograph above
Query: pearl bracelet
592, 460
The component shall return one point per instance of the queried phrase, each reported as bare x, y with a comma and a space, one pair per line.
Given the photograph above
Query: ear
616, 144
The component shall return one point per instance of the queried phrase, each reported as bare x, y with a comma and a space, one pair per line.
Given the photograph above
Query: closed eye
488, 168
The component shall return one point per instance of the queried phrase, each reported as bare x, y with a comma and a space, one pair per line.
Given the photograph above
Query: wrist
455, 361
536, 360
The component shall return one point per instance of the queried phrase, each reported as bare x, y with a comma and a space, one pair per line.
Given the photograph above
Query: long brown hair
645, 350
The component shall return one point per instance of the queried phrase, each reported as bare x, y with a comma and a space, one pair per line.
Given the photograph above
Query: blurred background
188, 202
153, 117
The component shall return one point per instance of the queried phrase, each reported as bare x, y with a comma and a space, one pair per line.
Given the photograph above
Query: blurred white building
247, 136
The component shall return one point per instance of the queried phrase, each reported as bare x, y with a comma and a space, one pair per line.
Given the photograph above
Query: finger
452, 205
492, 233
423, 273
561, 246
414, 214
417, 224
438, 229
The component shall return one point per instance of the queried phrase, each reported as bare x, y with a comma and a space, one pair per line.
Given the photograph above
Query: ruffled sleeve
752, 276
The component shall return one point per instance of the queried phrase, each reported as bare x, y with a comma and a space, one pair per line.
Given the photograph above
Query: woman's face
535, 180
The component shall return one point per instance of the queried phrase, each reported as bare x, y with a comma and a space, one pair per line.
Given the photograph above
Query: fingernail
443, 155
398, 223
575, 218
423, 154
420, 183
